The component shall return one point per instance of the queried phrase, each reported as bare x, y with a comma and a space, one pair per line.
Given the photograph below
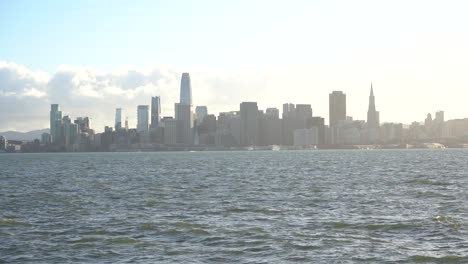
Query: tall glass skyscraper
183, 111
185, 90
118, 118
55, 120
143, 116
155, 111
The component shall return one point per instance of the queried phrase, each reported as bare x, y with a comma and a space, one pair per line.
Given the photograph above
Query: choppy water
238, 207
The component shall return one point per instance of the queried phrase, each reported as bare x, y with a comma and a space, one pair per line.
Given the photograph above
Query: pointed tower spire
371, 90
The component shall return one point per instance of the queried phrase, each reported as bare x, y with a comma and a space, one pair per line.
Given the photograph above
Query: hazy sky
94, 56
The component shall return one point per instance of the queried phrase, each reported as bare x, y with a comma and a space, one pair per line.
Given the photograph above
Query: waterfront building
185, 89
270, 128
289, 110
373, 120
306, 137
142, 118
45, 138
207, 130
249, 124
118, 118
184, 116
170, 130
319, 124
303, 111
337, 107
155, 111
55, 123
439, 117
200, 113
228, 129
272, 113
3, 144
391, 133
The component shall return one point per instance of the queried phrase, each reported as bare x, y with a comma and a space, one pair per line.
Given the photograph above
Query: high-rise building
228, 129
337, 101
45, 138
272, 113
303, 111
428, 121
184, 113
83, 125
143, 117
155, 111
55, 123
118, 119
289, 110
373, 119
170, 130
200, 112
185, 89
70, 132
249, 124
270, 127
3, 143
439, 117
184, 116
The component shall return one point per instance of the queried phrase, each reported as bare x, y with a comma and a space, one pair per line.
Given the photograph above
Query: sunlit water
238, 207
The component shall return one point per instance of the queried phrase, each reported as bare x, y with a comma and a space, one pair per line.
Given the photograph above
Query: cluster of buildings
245, 128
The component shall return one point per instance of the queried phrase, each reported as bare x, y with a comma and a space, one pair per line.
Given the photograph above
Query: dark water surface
238, 207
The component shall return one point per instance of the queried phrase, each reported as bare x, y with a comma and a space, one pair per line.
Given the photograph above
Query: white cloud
26, 95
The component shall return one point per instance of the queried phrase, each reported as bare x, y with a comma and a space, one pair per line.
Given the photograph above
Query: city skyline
246, 127
168, 109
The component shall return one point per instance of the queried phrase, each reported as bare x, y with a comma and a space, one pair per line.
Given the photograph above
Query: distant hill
31, 135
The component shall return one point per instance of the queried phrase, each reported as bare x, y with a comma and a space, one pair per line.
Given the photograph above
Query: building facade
155, 111
249, 124
337, 107
142, 118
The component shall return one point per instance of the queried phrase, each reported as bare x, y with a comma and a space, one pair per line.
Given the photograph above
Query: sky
94, 56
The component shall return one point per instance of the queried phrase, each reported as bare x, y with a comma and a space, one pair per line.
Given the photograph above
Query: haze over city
94, 56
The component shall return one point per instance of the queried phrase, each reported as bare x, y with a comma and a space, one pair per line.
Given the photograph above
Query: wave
122, 240
11, 222
444, 259
428, 182
85, 240
376, 226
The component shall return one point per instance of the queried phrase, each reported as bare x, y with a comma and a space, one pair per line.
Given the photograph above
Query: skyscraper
185, 89
439, 117
337, 101
201, 112
155, 111
249, 124
303, 111
373, 119
184, 117
118, 118
55, 122
289, 110
183, 111
143, 116
3, 143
